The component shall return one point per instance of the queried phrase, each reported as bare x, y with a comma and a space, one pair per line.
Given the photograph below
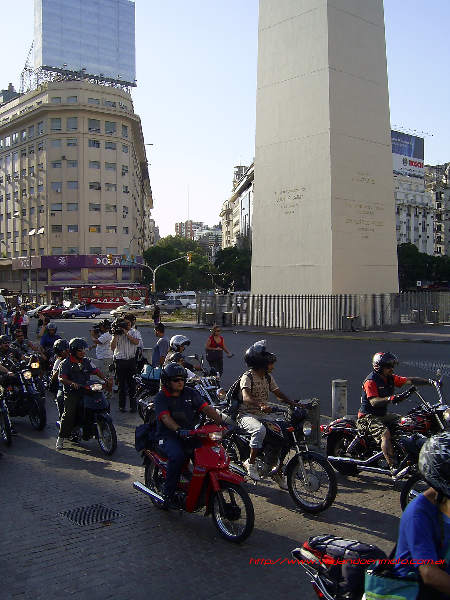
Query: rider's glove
182, 434
397, 398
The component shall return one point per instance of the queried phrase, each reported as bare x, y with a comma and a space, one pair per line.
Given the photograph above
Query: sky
196, 74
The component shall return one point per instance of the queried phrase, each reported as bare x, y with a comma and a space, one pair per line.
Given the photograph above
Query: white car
137, 308
34, 311
192, 306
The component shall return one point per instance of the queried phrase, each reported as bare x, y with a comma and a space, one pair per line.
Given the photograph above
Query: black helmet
257, 356
172, 370
176, 357
383, 359
59, 346
5, 339
434, 463
76, 344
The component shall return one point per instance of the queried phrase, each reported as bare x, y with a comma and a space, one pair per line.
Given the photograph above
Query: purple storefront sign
101, 275
66, 275
79, 261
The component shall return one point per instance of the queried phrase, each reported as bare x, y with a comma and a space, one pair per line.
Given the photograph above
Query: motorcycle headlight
216, 436
35, 365
27, 374
96, 387
221, 393
446, 415
307, 428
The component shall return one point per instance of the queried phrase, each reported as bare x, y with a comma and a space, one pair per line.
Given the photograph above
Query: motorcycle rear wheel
38, 415
339, 448
107, 437
5, 426
312, 461
236, 501
412, 487
154, 481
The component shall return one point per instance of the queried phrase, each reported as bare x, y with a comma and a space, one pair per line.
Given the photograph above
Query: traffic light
189, 257
110, 259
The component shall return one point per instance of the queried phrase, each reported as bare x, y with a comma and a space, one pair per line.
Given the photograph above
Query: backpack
234, 398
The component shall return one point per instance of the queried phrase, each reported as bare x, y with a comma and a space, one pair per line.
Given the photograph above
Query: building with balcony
437, 181
236, 213
414, 213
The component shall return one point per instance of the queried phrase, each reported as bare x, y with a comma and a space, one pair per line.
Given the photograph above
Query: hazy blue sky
196, 72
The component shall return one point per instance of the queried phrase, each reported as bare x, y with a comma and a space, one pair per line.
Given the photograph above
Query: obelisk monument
324, 211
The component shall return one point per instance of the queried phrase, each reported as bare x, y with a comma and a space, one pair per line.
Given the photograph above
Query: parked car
54, 311
192, 306
34, 311
81, 310
169, 306
137, 308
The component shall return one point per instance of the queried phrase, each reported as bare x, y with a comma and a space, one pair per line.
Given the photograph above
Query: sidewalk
427, 334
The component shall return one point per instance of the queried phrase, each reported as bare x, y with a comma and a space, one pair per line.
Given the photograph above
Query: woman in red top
215, 347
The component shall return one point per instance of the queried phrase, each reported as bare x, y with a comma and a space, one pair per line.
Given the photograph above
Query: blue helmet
60, 346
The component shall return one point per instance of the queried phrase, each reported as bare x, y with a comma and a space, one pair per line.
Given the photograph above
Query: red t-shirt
214, 344
371, 388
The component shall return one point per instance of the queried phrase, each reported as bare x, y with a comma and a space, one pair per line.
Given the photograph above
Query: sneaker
394, 472
59, 443
279, 480
252, 470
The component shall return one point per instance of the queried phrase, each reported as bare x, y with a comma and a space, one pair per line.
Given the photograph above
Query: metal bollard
338, 398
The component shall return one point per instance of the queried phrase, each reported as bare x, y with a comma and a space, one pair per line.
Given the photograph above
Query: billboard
408, 154
93, 36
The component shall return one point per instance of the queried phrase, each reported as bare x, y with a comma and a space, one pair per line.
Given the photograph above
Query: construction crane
26, 77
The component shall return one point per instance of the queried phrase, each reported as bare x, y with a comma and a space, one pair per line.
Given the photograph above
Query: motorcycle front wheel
232, 512
5, 426
107, 437
412, 487
314, 487
38, 414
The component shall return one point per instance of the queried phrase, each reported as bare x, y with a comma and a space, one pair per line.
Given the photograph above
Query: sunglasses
177, 379
390, 365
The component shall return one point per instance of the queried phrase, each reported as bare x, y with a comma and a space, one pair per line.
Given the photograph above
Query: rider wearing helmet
8, 353
256, 385
378, 390
177, 408
49, 338
23, 345
424, 538
177, 343
74, 373
61, 351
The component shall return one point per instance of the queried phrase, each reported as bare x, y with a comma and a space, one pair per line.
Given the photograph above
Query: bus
103, 296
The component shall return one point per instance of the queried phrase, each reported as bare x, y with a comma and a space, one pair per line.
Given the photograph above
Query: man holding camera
124, 344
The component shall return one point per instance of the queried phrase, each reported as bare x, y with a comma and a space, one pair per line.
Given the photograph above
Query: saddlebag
341, 561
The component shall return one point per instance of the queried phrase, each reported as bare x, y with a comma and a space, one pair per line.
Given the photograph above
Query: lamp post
155, 269
31, 233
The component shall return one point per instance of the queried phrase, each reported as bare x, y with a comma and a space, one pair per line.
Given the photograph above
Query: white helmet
176, 341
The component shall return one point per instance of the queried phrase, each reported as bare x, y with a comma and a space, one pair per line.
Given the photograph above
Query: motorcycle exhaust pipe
353, 461
140, 487
237, 469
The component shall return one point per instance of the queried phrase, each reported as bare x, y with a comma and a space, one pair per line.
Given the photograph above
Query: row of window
58, 250
56, 124
93, 101
93, 207
92, 229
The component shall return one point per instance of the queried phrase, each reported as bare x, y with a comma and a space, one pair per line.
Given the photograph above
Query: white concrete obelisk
324, 211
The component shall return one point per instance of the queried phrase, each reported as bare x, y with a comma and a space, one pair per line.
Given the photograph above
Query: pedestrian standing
124, 344
215, 347
161, 348
25, 322
16, 320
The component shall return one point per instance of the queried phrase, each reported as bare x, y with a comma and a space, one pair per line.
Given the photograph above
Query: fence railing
325, 312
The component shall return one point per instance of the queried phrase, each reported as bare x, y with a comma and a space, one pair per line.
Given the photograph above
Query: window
55, 100
55, 124
72, 185
72, 123
40, 146
31, 211
111, 250
42, 208
94, 207
125, 230
15, 138
94, 144
55, 143
56, 228
30, 149
31, 131
31, 190
94, 164
23, 152
95, 185
23, 173
109, 103
41, 166
24, 232
111, 229
125, 189
56, 186
7, 141
93, 101
110, 166
72, 164
40, 187
23, 135
56, 250
110, 146
110, 187
55, 207
72, 99
124, 170
94, 125
72, 228
40, 128
56, 164
124, 148
72, 142
95, 250
72, 250
72, 206
94, 228
111, 208
124, 131
110, 127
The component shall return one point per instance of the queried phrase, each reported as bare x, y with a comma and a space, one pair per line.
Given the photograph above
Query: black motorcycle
5, 422
23, 392
310, 477
93, 418
412, 487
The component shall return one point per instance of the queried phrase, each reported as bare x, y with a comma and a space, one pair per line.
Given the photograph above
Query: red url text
269, 562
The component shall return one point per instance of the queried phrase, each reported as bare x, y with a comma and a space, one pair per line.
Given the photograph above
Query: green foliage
416, 266
234, 264
180, 274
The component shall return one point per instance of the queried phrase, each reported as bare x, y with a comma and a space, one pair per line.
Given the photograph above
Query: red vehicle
209, 485
53, 311
103, 296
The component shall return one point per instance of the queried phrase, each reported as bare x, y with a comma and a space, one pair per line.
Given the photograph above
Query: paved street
143, 553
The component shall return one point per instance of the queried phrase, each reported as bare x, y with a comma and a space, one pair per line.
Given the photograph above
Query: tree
234, 264
416, 266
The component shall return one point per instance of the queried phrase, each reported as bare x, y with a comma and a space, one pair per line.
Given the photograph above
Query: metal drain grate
89, 515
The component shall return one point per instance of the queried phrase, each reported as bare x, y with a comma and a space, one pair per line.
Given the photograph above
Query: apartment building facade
236, 213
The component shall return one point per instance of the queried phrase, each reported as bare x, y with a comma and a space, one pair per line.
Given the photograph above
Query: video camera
102, 327
118, 326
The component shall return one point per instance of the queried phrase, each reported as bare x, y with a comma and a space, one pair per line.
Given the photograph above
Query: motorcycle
23, 393
350, 450
93, 418
5, 422
336, 566
412, 487
206, 483
307, 472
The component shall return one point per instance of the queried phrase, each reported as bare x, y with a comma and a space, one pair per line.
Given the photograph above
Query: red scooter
207, 483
